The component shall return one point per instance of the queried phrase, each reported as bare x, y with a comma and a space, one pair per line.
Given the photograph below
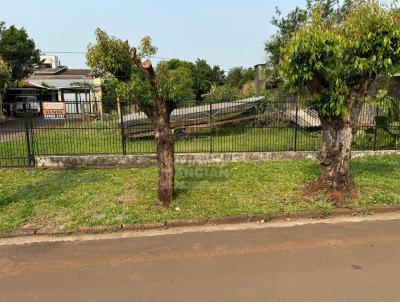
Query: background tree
205, 76
155, 91
218, 75
18, 51
223, 93
109, 94
5, 78
238, 76
335, 62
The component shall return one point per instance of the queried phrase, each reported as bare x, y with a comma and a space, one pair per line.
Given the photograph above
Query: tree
5, 78
18, 51
109, 94
155, 91
238, 76
335, 62
223, 93
218, 75
205, 76
291, 23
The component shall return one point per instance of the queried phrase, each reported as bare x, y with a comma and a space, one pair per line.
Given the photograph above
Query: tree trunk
355, 114
165, 154
335, 157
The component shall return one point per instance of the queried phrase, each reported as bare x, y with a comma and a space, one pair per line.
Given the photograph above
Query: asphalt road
323, 262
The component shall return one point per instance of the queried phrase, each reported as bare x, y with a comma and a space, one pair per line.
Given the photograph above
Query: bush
224, 93
227, 93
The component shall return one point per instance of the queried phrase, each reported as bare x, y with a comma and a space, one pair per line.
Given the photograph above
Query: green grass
92, 197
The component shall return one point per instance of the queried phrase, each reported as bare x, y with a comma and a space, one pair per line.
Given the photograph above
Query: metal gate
17, 142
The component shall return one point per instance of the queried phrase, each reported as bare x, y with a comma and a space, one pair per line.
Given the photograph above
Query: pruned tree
335, 62
155, 91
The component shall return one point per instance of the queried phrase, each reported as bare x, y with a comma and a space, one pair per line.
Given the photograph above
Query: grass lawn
91, 197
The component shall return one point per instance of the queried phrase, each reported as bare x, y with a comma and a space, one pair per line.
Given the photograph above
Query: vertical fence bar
32, 137
211, 130
376, 127
28, 141
122, 127
296, 123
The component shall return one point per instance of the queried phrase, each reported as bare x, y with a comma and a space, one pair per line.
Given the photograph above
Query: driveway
320, 262
15, 128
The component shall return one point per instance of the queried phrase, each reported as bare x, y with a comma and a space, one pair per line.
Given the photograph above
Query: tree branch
147, 68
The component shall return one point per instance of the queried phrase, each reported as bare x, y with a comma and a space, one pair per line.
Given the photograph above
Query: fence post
376, 126
211, 129
29, 141
122, 126
33, 153
296, 123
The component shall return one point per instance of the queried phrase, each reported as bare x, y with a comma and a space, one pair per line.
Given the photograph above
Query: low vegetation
69, 199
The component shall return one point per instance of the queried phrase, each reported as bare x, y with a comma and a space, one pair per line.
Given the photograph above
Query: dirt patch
127, 199
316, 187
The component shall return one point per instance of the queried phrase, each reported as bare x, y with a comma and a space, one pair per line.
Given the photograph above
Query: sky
224, 32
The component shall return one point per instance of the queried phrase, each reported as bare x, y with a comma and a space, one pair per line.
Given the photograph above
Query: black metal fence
29, 129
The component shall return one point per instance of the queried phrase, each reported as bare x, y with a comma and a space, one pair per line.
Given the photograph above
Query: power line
44, 52
228, 67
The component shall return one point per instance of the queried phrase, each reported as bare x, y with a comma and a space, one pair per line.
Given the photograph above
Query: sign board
54, 110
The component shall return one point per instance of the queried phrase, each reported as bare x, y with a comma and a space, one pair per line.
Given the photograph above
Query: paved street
321, 262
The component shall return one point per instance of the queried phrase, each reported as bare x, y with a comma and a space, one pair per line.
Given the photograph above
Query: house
76, 87
53, 82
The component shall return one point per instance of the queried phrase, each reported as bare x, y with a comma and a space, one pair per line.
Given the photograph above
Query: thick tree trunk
165, 155
335, 157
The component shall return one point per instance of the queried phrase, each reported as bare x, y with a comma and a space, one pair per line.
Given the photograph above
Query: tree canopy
18, 51
111, 55
288, 25
238, 76
5, 76
337, 61
205, 76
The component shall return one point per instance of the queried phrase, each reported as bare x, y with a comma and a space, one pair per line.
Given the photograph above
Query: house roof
50, 71
28, 84
61, 72
58, 83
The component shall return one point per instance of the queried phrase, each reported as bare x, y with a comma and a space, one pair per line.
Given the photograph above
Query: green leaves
18, 51
146, 49
174, 85
5, 76
110, 55
332, 58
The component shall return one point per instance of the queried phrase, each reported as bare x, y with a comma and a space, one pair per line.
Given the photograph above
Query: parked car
27, 105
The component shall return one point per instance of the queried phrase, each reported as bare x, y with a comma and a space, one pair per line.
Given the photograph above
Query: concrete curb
240, 219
